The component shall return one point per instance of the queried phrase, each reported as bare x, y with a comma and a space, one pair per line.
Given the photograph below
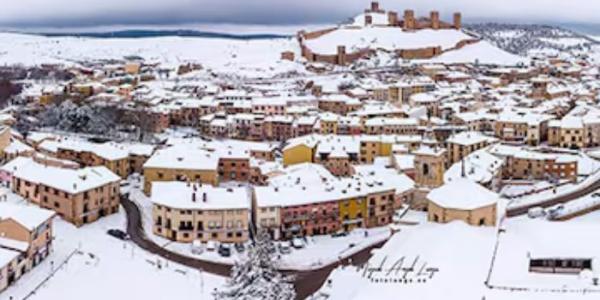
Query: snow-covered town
394, 154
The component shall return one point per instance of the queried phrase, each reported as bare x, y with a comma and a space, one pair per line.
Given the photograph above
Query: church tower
429, 173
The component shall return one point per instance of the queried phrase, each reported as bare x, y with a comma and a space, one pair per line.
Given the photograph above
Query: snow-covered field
248, 58
103, 267
524, 238
458, 252
460, 258
252, 58
483, 53
388, 38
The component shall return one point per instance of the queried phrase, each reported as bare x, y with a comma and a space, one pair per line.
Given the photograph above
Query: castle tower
457, 20
341, 55
409, 20
374, 6
392, 18
435, 20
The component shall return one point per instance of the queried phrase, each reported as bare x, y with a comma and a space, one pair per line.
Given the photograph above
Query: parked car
211, 246
119, 234
197, 247
555, 211
297, 243
339, 234
536, 212
596, 195
284, 248
225, 250
239, 247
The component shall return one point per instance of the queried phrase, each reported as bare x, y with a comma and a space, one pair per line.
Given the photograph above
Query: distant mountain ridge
147, 33
522, 39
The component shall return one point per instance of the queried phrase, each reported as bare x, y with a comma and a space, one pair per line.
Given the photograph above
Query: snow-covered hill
253, 58
531, 39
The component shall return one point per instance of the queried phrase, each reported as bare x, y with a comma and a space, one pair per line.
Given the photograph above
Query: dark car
239, 247
339, 234
119, 234
225, 250
595, 195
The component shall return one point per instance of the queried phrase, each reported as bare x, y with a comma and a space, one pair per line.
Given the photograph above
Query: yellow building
132, 68
353, 212
372, 147
4, 139
297, 153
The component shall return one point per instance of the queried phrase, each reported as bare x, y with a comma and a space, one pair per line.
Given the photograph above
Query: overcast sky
112, 12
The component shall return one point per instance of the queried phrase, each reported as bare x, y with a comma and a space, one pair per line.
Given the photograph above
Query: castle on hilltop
409, 21
376, 29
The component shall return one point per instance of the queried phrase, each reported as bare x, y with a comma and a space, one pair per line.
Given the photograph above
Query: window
425, 169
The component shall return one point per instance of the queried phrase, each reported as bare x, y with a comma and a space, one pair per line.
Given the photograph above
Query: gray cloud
110, 12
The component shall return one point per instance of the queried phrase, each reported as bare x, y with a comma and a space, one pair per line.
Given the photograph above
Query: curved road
306, 283
521, 210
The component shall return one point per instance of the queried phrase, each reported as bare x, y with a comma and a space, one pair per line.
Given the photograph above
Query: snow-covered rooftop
182, 195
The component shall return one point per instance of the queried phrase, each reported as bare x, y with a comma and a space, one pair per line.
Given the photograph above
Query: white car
297, 243
536, 212
211, 246
197, 247
284, 248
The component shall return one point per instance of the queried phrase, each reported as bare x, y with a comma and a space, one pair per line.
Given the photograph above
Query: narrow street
306, 282
513, 212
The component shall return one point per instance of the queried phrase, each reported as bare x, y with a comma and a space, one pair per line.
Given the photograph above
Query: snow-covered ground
228, 28
245, 58
460, 258
318, 251
253, 58
482, 53
523, 238
387, 38
102, 267
448, 262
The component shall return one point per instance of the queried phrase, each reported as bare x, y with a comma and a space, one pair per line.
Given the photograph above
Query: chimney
457, 20
435, 20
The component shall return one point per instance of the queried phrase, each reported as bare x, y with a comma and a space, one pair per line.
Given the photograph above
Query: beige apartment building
181, 163
25, 240
462, 144
185, 212
79, 196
